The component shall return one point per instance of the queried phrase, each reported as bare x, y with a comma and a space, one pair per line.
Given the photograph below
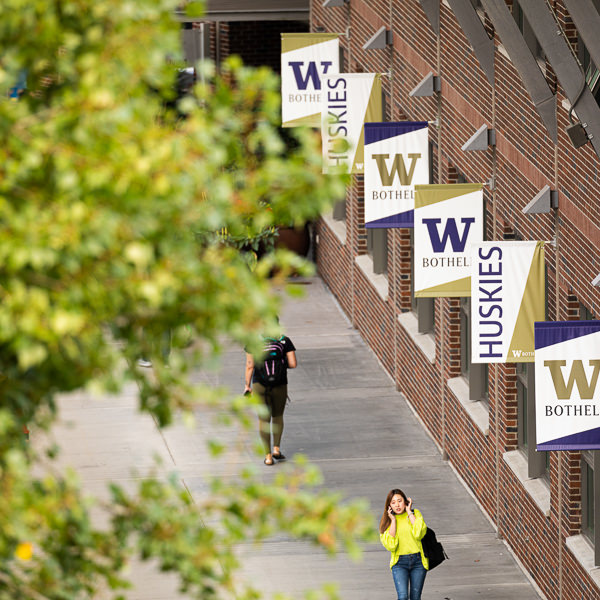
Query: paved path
348, 418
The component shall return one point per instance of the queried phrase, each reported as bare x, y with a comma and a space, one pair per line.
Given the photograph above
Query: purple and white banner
567, 395
396, 159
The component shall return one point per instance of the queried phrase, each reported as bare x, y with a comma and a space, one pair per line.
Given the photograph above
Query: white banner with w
448, 221
567, 394
305, 59
396, 159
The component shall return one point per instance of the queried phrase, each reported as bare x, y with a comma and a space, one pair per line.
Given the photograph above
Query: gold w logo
398, 166
576, 376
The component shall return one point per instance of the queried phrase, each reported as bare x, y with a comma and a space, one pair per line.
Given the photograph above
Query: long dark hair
385, 519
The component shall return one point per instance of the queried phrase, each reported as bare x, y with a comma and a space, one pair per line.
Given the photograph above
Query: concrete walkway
348, 418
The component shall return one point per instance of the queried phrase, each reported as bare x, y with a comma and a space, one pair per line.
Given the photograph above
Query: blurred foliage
106, 182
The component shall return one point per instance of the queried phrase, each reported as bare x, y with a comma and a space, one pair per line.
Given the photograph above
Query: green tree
106, 198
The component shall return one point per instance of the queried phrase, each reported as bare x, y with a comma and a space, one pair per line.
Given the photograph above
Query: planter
295, 239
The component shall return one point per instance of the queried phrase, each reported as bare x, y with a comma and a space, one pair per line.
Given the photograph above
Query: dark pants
409, 570
272, 422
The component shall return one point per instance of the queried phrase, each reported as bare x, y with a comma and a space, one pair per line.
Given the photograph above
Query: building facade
523, 78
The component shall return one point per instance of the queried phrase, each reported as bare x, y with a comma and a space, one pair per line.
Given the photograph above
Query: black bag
272, 370
432, 549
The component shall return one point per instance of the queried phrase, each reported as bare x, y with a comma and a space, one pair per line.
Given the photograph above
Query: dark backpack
433, 549
272, 370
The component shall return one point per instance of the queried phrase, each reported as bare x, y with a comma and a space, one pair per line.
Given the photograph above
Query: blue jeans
409, 568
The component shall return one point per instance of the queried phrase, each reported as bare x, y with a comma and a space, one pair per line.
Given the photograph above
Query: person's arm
392, 516
409, 512
290, 357
388, 537
249, 371
419, 529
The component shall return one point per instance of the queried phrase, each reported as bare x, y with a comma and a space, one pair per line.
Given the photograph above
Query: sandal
279, 456
269, 464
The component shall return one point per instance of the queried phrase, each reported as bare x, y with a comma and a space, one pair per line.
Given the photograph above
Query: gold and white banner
305, 59
448, 221
507, 297
348, 101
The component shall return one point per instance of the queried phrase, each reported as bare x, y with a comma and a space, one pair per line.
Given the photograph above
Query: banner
305, 58
448, 221
507, 297
567, 394
348, 100
396, 159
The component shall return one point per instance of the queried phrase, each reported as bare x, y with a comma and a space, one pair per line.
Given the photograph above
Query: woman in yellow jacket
401, 531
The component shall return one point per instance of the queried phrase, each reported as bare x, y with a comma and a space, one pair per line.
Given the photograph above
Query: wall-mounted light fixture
576, 131
380, 39
543, 201
480, 140
577, 134
428, 86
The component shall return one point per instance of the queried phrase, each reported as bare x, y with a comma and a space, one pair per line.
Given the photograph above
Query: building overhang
257, 10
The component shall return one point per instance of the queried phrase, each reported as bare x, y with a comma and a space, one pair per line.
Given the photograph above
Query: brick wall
524, 160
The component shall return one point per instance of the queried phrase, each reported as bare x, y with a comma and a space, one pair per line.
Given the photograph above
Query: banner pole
557, 317
497, 437
442, 301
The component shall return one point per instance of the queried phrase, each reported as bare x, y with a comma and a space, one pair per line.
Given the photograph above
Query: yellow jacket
407, 539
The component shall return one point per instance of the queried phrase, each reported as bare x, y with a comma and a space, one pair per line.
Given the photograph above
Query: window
475, 374
592, 74
526, 30
585, 314
587, 496
538, 462
385, 105
377, 249
424, 308
590, 500
339, 210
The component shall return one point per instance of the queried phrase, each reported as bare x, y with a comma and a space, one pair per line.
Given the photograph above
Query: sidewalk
347, 417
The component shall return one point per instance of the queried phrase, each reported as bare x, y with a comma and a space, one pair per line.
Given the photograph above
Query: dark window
538, 463
588, 516
585, 314
476, 374
592, 74
424, 308
377, 249
590, 500
339, 210
526, 30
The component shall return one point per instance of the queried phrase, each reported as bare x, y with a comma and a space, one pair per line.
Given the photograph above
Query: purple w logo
311, 73
451, 231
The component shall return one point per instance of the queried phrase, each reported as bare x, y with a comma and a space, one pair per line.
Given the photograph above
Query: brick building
517, 71
522, 76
